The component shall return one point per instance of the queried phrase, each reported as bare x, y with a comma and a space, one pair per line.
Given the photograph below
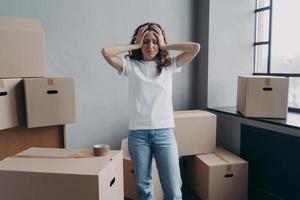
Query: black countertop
292, 120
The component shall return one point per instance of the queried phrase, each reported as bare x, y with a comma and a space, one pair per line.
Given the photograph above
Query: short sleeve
174, 67
126, 67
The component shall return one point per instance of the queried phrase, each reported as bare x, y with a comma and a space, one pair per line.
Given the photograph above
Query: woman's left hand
160, 37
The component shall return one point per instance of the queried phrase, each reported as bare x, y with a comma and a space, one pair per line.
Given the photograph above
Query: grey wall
75, 32
200, 70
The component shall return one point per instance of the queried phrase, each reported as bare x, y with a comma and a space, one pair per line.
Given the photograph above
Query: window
276, 46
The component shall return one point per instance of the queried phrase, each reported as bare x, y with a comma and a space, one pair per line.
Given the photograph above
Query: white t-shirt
150, 96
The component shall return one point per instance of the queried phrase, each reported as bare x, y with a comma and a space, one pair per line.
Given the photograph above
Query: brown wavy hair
163, 58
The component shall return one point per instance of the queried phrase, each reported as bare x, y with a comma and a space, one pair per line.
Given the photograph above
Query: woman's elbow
104, 52
197, 47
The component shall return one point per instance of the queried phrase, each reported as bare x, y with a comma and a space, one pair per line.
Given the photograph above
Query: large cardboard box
195, 132
22, 49
218, 176
49, 101
15, 140
49, 173
263, 96
11, 103
130, 188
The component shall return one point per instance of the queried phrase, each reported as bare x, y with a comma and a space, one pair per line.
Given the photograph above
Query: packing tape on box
228, 165
2, 85
267, 81
50, 81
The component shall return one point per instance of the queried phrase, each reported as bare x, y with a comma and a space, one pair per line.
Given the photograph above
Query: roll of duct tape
101, 149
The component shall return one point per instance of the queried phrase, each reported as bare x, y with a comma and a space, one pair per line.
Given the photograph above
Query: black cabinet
274, 163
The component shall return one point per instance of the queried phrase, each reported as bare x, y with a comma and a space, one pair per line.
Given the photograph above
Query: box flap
192, 113
221, 157
228, 156
55, 161
210, 159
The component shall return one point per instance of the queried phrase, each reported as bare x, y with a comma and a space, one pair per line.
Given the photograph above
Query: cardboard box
49, 173
15, 140
218, 176
22, 49
49, 101
263, 96
11, 103
130, 188
195, 132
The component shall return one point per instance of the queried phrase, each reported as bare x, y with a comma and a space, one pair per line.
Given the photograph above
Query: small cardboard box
49, 173
22, 49
130, 189
263, 96
195, 132
218, 176
11, 103
49, 101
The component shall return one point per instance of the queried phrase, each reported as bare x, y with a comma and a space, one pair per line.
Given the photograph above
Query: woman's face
150, 46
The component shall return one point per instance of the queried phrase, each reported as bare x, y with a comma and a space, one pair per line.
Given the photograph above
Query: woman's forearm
189, 51
116, 50
188, 47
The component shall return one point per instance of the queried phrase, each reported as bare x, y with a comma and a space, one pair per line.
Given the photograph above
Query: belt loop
150, 136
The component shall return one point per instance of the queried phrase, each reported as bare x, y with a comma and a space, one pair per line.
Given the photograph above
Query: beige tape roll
101, 149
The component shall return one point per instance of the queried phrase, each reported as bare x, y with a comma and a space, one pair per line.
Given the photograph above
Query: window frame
269, 43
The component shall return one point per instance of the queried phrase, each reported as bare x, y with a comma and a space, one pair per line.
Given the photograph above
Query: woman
149, 69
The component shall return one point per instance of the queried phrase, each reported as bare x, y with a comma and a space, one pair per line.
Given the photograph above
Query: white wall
75, 32
231, 38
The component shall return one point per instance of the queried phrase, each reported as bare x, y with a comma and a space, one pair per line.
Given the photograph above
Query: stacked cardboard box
11, 103
22, 50
263, 96
213, 173
52, 173
47, 101
218, 176
18, 139
195, 132
28, 97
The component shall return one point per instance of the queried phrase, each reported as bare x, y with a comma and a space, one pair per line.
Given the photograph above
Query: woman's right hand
140, 35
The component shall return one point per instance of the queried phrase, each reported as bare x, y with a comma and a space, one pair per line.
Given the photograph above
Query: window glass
262, 26
285, 48
261, 58
262, 3
294, 92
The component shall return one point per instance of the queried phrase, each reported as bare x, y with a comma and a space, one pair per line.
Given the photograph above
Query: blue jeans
162, 144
